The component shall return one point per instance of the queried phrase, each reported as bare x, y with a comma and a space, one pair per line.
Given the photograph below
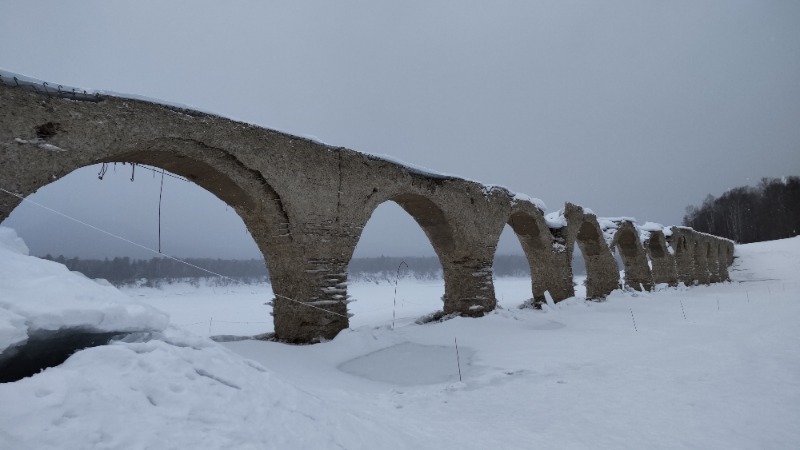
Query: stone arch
431, 219
437, 228
243, 189
634, 258
602, 273
701, 250
683, 244
215, 170
550, 269
305, 200
663, 262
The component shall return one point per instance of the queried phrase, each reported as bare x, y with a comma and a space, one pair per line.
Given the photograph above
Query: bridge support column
701, 260
713, 262
311, 307
553, 273
683, 244
469, 289
602, 273
551, 269
663, 269
310, 286
637, 272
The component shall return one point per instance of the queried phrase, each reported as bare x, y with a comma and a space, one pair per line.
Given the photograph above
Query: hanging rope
394, 303
160, 192
103, 170
144, 247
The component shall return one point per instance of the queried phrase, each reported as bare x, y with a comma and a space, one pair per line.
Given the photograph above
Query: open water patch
410, 364
50, 348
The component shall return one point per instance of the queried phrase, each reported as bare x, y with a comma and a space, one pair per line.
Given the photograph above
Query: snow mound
43, 295
556, 219
11, 242
771, 260
160, 387
174, 392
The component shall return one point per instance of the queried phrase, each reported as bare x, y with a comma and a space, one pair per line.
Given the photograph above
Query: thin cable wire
144, 247
169, 174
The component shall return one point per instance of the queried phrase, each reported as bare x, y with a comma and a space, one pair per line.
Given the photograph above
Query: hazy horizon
634, 109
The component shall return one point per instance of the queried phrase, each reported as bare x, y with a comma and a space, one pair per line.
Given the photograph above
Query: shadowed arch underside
634, 258
602, 273
550, 267
464, 294
663, 262
431, 219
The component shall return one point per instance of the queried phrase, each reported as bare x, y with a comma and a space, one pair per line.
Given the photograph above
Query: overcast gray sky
634, 108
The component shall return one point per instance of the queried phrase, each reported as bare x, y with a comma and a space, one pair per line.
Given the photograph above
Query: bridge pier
553, 273
713, 262
683, 244
637, 272
663, 269
469, 289
701, 274
550, 265
602, 273
310, 304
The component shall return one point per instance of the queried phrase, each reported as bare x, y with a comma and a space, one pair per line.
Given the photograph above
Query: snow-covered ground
704, 367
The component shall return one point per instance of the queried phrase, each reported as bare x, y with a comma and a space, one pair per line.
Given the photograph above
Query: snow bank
173, 392
771, 260
160, 388
11, 242
708, 367
43, 295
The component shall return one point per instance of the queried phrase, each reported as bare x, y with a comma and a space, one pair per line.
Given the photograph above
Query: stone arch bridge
305, 204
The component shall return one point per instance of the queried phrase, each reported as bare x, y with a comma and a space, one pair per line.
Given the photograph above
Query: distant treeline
751, 214
123, 270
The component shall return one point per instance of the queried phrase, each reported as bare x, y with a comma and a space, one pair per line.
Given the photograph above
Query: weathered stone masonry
306, 203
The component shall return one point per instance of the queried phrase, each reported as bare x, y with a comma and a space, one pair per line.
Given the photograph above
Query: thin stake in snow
209, 325
683, 311
634, 321
396, 279
458, 359
717, 303
748, 296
